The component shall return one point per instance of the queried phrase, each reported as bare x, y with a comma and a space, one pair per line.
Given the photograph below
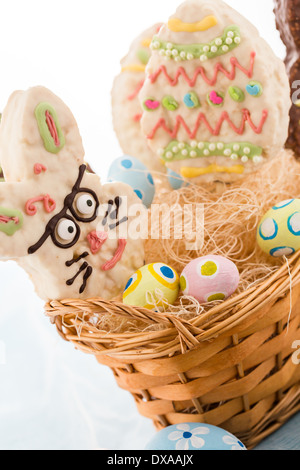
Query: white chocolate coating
21, 147
126, 107
268, 70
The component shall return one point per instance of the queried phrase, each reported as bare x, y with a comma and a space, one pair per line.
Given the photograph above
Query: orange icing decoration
178, 26
137, 117
134, 68
49, 204
194, 172
38, 168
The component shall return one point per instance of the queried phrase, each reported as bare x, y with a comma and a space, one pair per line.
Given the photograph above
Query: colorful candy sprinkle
215, 99
151, 104
254, 89
170, 103
191, 100
236, 94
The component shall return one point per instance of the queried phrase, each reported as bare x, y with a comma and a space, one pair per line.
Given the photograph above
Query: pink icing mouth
96, 241
117, 256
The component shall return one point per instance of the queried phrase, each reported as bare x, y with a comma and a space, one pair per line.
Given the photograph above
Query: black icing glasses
63, 228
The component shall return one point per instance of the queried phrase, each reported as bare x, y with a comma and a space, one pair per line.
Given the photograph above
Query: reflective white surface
51, 396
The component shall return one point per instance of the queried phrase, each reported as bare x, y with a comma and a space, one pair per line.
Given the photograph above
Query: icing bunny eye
86, 204
66, 230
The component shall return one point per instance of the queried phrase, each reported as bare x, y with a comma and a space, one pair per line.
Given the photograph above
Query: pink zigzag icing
161, 124
136, 91
200, 71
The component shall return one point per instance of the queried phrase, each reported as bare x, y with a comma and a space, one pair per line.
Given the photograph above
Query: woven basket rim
178, 335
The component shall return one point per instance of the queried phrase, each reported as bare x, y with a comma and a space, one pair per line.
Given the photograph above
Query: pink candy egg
210, 278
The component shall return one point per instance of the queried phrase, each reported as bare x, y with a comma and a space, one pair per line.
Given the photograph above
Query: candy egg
278, 233
210, 278
150, 284
194, 436
176, 181
131, 171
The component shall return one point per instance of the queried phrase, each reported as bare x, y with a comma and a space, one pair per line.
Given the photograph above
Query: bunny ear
38, 132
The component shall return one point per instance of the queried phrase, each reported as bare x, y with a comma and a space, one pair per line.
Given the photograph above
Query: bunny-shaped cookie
66, 230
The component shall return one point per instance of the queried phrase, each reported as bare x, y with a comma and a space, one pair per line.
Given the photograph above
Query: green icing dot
236, 94
209, 268
143, 55
170, 103
49, 143
215, 48
183, 283
11, 220
216, 297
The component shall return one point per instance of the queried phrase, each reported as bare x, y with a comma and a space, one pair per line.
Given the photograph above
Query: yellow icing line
178, 26
146, 42
187, 172
134, 68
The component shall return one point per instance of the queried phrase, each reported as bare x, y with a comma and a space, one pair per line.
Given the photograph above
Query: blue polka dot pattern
268, 230
294, 224
139, 194
129, 283
280, 251
167, 272
282, 205
150, 179
133, 172
127, 164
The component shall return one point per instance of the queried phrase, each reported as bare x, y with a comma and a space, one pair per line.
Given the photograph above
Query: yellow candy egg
278, 233
150, 284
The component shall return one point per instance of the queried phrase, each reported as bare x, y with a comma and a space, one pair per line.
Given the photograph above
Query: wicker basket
231, 367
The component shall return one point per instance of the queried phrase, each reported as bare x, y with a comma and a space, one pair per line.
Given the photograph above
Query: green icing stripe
40, 114
12, 226
217, 47
176, 151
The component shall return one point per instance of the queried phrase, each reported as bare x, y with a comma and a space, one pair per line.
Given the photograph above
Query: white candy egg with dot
278, 232
210, 278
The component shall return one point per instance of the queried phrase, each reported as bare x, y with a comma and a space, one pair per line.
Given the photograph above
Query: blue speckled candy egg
194, 436
131, 171
278, 232
175, 180
152, 282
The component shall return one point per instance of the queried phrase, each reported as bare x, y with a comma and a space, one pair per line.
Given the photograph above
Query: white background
52, 397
